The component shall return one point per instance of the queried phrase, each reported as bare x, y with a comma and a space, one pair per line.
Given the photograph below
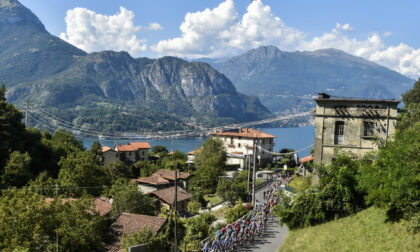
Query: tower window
368, 129
339, 132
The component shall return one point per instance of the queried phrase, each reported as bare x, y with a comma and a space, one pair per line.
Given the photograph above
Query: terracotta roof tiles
153, 180
306, 159
170, 175
248, 133
102, 206
106, 148
130, 223
133, 146
167, 194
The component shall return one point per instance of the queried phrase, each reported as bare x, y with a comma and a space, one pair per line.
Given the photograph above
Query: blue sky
385, 31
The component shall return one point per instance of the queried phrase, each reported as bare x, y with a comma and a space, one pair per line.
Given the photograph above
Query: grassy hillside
365, 231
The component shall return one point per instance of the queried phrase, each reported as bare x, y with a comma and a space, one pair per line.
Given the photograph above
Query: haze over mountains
113, 91
286, 81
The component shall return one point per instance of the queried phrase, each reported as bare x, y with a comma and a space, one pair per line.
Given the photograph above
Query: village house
109, 155
166, 197
161, 179
132, 152
239, 145
130, 223
305, 168
191, 156
347, 124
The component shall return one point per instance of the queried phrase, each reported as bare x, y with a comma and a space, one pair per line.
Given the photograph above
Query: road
272, 238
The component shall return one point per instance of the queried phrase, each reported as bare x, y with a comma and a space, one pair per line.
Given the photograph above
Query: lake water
295, 138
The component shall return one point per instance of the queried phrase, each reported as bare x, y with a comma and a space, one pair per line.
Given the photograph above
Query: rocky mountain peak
12, 12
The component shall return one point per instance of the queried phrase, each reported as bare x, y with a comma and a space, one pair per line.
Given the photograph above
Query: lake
295, 138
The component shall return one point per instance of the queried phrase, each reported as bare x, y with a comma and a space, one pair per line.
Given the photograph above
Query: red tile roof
153, 180
237, 152
106, 148
167, 194
129, 223
133, 146
248, 133
306, 159
102, 206
141, 145
170, 175
194, 151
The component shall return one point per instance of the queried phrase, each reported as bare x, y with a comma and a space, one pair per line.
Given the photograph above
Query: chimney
323, 96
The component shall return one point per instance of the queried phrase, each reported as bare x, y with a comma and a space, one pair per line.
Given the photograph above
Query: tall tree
28, 222
18, 170
11, 128
411, 112
128, 198
210, 163
83, 172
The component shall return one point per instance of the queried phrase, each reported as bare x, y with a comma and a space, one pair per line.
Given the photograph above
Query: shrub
235, 212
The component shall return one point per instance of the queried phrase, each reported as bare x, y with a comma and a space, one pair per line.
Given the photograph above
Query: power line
149, 135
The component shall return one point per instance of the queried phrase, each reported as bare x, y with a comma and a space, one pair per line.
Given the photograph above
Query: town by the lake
212, 126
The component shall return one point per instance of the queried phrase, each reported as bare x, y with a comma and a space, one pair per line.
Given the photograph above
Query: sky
382, 31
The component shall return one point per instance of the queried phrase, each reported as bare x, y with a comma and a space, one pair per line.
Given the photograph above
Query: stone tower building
347, 124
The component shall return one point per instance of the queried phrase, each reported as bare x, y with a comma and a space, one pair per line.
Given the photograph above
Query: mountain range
112, 90
287, 81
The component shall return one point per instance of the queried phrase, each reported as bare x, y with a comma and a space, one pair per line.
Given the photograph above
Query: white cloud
221, 32
344, 27
95, 32
387, 34
154, 27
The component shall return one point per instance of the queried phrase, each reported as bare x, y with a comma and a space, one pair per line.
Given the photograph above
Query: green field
365, 231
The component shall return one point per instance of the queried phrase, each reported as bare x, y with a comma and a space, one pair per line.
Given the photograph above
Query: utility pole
56, 230
175, 198
253, 175
248, 166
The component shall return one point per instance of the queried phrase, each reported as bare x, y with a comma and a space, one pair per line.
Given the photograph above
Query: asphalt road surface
274, 236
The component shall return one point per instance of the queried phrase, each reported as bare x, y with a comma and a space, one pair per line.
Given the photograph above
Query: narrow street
273, 237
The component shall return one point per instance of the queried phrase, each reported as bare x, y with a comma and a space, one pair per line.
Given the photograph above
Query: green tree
82, 172
210, 163
412, 95
193, 207
411, 113
393, 181
11, 128
65, 143
338, 195
18, 169
116, 170
128, 198
31, 223
235, 212
43, 184
159, 150
96, 148
197, 229
145, 169
153, 242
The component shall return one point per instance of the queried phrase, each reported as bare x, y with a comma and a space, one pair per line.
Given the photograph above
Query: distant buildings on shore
240, 145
